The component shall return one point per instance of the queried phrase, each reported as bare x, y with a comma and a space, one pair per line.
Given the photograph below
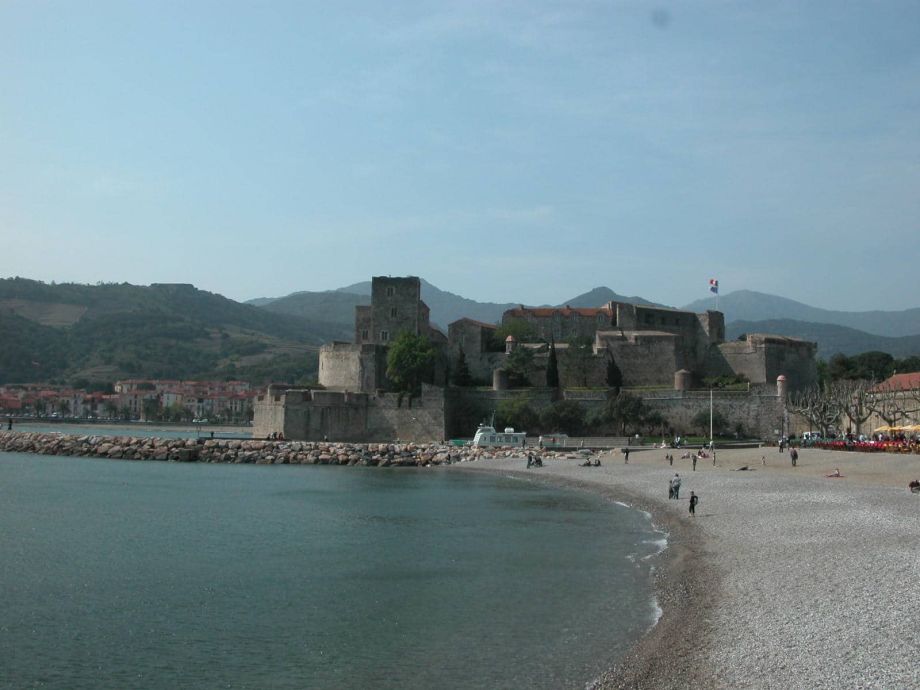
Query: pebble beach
784, 579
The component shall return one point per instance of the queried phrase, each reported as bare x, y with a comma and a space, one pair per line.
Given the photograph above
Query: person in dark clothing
674, 491
695, 457
694, 499
9, 423
529, 460
626, 453
794, 455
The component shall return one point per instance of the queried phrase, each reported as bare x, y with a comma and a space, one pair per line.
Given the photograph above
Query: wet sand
784, 579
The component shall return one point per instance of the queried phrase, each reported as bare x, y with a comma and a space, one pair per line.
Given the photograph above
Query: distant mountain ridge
831, 338
747, 305
337, 306
108, 331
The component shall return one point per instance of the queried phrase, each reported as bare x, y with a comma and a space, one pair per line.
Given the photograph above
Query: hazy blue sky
507, 151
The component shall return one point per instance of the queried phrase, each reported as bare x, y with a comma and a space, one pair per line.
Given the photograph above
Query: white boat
487, 436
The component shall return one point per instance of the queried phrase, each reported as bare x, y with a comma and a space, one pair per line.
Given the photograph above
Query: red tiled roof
901, 382
564, 311
483, 324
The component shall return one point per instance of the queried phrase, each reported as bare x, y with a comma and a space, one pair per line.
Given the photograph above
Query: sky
505, 151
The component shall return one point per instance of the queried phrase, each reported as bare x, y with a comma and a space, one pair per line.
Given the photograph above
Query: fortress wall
364, 324
647, 361
305, 415
745, 358
268, 413
759, 415
763, 358
346, 366
400, 311
340, 366
794, 359
420, 419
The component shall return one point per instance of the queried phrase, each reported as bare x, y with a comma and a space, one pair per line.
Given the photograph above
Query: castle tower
396, 306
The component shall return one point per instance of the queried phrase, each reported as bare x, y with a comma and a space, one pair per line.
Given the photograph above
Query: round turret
781, 386
500, 380
682, 380
510, 344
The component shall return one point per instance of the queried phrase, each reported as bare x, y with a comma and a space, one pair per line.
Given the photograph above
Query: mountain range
337, 306
747, 305
103, 332
100, 333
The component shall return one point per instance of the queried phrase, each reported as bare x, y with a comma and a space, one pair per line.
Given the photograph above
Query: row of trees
623, 414
868, 366
825, 405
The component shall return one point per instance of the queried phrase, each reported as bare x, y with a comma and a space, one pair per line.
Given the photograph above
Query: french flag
714, 286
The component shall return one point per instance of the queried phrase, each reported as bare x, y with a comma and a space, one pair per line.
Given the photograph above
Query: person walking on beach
671, 459
694, 499
694, 462
794, 456
675, 487
626, 453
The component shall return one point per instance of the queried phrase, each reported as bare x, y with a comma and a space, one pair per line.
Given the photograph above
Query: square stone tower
396, 306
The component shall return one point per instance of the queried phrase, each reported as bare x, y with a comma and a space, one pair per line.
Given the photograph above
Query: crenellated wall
315, 415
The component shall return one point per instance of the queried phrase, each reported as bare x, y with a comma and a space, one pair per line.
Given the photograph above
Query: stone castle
641, 347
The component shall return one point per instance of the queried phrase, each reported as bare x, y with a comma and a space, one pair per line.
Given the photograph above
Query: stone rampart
315, 415
758, 414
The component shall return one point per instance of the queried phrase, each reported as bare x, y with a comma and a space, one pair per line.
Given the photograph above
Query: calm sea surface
164, 575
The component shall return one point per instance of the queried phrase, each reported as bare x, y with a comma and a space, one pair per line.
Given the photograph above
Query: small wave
658, 612
661, 545
620, 503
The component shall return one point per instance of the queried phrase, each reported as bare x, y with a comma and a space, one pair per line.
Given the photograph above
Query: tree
700, 422
517, 413
890, 404
518, 365
151, 408
461, 374
853, 399
614, 376
552, 367
627, 412
819, 405
522, 330
567, 416
410, 361
579, 357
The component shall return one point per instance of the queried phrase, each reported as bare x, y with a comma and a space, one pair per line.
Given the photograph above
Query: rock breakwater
245, 451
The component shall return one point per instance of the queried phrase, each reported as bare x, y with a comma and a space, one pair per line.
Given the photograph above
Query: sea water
117, 574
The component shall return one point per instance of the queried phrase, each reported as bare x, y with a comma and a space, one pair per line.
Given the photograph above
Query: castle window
384, 336
391, 291
392, 312
364, 334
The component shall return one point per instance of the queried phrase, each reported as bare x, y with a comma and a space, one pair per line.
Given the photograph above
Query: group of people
674, 492
588, 463
914, 486
534, 461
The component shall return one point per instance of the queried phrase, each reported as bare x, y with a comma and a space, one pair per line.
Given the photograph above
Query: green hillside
163, 331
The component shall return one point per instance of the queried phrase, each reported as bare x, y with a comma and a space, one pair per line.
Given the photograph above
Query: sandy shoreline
785, 578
